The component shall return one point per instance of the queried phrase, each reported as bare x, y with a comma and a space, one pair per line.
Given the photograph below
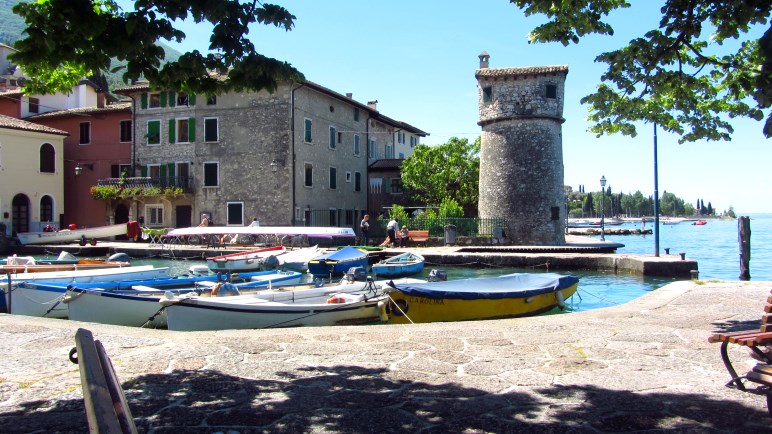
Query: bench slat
721, 337
100, 412
758, 377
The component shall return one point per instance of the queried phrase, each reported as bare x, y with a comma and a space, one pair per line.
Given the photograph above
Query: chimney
373, 104
484, 57
349, 95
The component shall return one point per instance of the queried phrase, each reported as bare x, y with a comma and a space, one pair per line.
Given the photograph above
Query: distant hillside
12, 26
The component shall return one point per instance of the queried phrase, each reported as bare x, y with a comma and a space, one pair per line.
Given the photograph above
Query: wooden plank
768, 307
758, 377
96, 395
751, 340
120, 405
763, 368
721, 337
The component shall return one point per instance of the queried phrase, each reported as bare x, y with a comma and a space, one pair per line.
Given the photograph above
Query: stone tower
521, 158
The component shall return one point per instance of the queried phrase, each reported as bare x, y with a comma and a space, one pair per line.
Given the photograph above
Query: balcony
162, 182
136, 187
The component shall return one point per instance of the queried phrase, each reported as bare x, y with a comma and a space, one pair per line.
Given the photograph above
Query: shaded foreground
646, 365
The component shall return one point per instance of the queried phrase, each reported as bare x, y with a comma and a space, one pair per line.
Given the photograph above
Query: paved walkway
642, 367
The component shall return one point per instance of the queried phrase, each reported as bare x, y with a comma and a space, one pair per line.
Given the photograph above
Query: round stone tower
521, 157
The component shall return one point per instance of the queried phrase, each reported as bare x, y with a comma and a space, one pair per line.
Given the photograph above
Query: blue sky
418, 59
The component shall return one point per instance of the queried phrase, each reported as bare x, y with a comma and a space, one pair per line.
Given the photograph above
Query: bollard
667, 250
683, 256
695, 274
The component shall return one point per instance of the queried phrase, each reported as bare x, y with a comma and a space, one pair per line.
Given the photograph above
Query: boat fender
336, 298
560, 299
384, 316
400, 307
119, 257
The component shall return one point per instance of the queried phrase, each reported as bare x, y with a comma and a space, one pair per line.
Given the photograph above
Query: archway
20, 213
121, 216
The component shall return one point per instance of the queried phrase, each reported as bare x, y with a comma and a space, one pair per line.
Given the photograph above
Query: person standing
404, 234
364, 228
391, 228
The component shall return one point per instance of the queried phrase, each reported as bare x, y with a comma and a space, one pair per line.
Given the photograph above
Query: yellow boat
511, 295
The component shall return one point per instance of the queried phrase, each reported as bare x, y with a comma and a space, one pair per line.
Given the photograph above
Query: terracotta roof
121, 107
12, 92
527, 70
18, 124
389, 163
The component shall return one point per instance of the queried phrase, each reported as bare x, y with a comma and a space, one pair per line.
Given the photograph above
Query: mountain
12, 27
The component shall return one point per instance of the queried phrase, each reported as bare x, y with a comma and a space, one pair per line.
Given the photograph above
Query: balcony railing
183, 182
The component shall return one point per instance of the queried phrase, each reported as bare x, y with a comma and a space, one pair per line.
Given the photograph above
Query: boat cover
345, 254
516, 285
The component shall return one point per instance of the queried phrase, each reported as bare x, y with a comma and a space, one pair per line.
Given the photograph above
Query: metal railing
184, 182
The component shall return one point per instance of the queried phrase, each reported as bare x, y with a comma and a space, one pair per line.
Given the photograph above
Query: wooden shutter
171, 170
191, 100
162, 171
163, 99
144, 101
172, 131
172, 99
143, 171
387, 187
191, 130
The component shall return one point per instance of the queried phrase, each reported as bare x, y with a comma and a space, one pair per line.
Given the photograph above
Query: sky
418, 60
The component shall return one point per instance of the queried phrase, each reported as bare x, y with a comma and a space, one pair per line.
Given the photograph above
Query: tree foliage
688, 75
447, 171
67, 40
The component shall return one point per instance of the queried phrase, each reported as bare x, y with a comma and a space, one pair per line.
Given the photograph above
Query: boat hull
400, 265
247, 261
66, 235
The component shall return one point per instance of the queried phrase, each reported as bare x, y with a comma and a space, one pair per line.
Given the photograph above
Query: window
372, 150
235, 214
308, 180
487, 94
154, 100
348, 176
333, 178
182, 98
85, 133
376, 185
183, 174
154, 215
46, 209
126, 132
389, 151
396, 185
356, 114
552, 91
307, 131
117, 170
154, 171
333, 137
183, 126
34, 107
211, 130
357, 181
357, 146
47, 158
154, 132
211, 100
211, 174
413, 141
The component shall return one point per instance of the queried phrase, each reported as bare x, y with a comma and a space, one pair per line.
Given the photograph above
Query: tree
451, 170
67, 40
685, 76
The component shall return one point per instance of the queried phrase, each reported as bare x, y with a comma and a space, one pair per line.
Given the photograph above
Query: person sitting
204, 221
404, 234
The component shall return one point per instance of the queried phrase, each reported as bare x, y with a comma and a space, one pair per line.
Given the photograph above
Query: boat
242, 261
268, 231
401, 265
671, 221
511, 295
140, 307
337, 262
700, 223
39, 294
292, 259
65, 262
82, 235
345, 304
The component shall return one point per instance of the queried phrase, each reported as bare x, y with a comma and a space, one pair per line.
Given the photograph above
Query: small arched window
47, 158
46, 209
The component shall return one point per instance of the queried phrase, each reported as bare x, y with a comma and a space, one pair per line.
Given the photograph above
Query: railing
184, 182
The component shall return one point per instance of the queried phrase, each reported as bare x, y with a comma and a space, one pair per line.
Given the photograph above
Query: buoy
382, 311
335, 299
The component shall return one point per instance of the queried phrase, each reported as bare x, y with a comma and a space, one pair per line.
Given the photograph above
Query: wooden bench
755, 340
106, 408
418, 236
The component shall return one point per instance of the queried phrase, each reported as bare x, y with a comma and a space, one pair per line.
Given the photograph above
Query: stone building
297, 156
521, 158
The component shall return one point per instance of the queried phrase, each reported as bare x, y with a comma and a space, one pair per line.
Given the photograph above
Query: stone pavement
645, 366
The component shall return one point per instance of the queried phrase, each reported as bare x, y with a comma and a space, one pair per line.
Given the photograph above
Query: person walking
391, 228
364, 228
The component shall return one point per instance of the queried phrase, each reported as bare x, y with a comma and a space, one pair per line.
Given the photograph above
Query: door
121, 216
182, 217
20, 213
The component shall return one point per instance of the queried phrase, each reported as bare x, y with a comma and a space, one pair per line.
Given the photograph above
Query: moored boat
401, 265
65, 262
296, 260
82, 235
242, 261
337, 262
512, 295
700, 223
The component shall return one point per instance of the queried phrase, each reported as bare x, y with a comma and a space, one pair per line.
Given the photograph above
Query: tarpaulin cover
516, 285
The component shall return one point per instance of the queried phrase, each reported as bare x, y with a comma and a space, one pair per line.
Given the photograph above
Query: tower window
552, 91
487, 94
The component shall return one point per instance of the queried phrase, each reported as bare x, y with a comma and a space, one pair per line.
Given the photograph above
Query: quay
579, 253
645, 366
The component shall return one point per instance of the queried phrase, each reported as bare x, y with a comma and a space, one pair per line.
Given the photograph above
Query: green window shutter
163, 99
171, 170
172, 99
154, 132
387, 187
144, 101
162, 171
192, 130
172, 132
192, 99
143, 171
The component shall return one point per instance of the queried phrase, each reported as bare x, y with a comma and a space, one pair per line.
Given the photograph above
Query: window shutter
172, 132
387, 187
192, 99
172, 99
144, 101
162, 99
143, 171
162, 171
192, 130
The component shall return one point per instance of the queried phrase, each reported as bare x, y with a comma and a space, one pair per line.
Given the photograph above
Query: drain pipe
8, 276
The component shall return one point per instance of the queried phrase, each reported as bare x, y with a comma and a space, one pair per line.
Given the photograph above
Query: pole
744, 237
656, 197
602, 213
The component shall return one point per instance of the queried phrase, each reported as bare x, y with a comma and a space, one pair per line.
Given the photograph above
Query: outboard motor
356, 274
437, 276
119, 257
271, 263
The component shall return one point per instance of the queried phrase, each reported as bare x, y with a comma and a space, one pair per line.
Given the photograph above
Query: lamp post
602, 208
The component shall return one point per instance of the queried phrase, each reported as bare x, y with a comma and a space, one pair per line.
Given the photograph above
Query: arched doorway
20, 212
121, 216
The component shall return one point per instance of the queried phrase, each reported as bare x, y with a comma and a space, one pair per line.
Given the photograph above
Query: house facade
31, 181
297, 156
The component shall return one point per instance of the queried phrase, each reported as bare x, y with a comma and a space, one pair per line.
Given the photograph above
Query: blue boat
404, 264
337, 262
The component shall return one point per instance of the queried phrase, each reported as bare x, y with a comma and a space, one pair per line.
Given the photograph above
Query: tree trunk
744, 238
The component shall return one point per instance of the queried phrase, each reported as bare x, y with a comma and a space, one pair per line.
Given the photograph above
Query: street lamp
602, 207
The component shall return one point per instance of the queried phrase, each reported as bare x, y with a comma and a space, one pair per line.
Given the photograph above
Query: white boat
293, 259
141, 307
346, 304
68, 235
242, 261
25, 298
